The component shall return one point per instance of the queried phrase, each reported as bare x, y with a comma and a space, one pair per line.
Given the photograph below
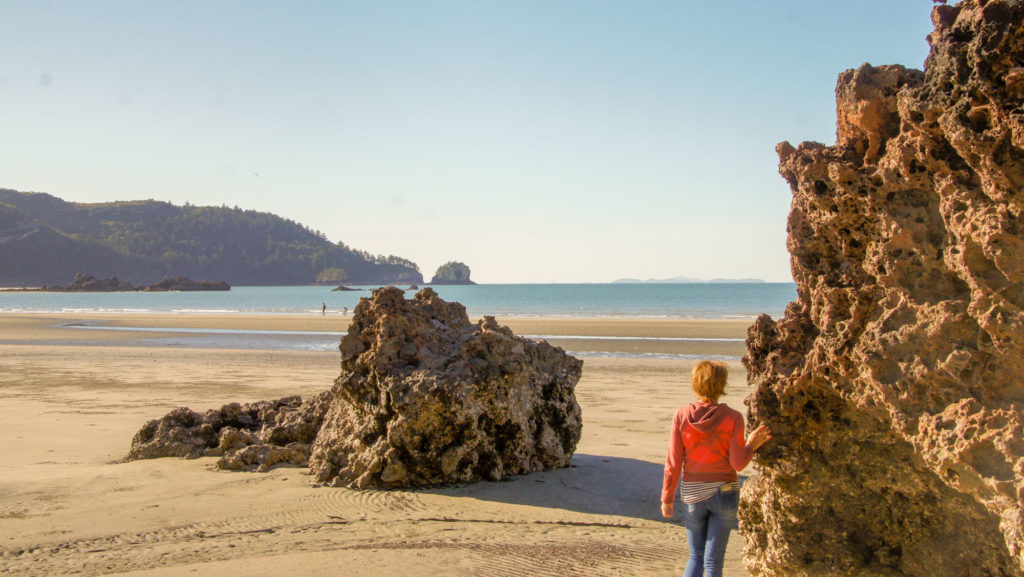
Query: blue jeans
708, 524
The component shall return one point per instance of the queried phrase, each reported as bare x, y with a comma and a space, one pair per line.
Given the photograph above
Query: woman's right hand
759, 437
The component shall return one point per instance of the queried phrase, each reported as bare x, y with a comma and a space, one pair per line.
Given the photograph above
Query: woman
707, 445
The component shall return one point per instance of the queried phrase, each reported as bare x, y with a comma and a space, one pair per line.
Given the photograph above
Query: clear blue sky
566, 141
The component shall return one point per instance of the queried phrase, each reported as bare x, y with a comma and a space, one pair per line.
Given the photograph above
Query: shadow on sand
594, 484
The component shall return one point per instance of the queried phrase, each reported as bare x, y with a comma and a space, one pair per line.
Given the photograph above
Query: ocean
694, 301
703, 300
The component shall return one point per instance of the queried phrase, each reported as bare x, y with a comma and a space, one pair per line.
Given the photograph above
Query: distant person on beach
344, 311
323, 309
707, 446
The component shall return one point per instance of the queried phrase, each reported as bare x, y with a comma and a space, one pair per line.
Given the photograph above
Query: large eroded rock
894, 384
425, 397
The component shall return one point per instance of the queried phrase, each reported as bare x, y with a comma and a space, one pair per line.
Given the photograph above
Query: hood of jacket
705, 417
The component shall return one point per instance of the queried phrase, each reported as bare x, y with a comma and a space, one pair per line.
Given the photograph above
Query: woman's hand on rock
759, 437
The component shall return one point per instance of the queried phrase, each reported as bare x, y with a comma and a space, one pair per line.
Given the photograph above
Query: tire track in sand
565, 552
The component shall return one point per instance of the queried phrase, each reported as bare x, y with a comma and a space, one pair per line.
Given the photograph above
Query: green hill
46, 240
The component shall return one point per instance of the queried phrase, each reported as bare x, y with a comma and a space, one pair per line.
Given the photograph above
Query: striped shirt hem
695, 492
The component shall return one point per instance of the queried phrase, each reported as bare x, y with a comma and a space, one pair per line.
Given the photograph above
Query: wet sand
73, 399
627, 337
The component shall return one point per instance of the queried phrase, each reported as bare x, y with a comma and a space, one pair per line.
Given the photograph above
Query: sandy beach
73, 399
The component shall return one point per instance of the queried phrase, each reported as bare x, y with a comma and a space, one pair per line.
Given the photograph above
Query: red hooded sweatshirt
707, 444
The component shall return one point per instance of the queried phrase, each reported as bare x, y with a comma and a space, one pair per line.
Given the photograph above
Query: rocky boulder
893, 383
251, 436
425, 397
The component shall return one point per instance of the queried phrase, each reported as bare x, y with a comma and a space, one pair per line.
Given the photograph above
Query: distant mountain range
45, 240
686, 279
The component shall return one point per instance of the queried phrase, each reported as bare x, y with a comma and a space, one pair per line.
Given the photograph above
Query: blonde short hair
709, 379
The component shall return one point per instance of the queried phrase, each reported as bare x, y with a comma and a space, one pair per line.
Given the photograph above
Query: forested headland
46, 240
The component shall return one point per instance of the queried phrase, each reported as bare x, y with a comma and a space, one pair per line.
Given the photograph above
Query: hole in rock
988, 461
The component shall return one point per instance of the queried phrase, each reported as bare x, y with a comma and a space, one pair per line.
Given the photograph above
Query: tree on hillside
332, 275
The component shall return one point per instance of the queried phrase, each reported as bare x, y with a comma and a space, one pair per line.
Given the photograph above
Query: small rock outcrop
452, 273
426, 397
89, 283
183, 284
251, 436
892, 385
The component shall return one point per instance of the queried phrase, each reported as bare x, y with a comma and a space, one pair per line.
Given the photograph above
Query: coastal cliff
892, 385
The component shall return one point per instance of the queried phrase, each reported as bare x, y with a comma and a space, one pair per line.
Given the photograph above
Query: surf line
617, 338
199, 330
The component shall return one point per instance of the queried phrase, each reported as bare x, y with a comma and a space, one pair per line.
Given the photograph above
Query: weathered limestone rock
253, 436
425, 397
894, 384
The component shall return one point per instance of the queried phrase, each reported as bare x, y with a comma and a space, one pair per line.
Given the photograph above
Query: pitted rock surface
251, 436
425, 397
894, 384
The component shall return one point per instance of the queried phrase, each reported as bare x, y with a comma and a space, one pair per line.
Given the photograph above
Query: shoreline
587, 337
586, 326
335, 313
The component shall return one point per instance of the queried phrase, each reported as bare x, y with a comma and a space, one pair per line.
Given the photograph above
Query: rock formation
183, 284
89, 283
893, 384
253, 436
425, 397
452, 272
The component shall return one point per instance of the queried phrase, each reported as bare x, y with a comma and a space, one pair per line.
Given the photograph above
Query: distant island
452, 273
687, 280
45, 240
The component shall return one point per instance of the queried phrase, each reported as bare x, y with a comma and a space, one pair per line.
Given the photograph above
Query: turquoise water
739, 300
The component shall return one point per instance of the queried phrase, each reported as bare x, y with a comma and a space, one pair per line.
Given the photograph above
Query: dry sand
73, 399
